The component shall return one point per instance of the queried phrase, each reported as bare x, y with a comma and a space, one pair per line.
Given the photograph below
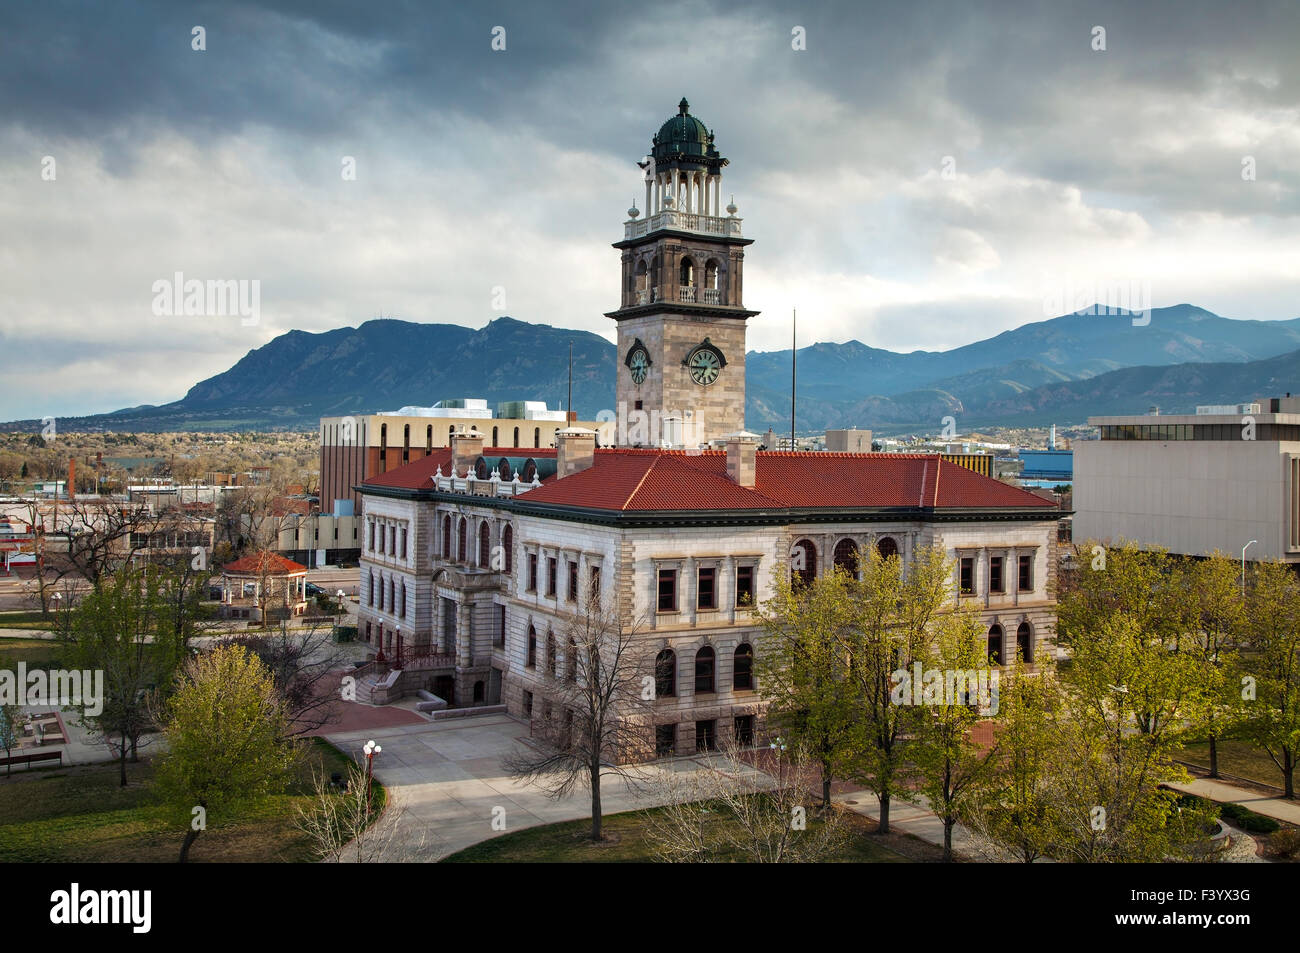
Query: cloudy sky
919, 176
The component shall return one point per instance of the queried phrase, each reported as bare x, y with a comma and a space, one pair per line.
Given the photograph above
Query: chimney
742, 456
575, 450
466, 448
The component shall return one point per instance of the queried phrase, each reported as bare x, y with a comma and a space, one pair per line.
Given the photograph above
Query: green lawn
35, 652
1241, 758
626, 842
26, 620
82, 814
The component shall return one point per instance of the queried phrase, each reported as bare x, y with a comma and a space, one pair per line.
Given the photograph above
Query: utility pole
794, 354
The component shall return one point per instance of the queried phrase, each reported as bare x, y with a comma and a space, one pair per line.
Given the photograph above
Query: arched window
516, 436
704, 664
552, 656
383, 442
571, 661
537, 437
508, 544
532, 648
666, 673
642, 276
743, 672
803, 563
462, 551
887, 546
654, 272
846, 556
484, 545
451, 432
406, 443
494, 437
995, 645
428, 439
687, 272
1025, 643
446, 537
481, 471
711, 273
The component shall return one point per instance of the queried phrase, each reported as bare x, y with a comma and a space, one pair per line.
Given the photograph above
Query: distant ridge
1059, 370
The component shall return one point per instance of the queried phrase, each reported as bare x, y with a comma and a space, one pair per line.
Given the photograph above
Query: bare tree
730, 811
603, 701
301, 664
341, 825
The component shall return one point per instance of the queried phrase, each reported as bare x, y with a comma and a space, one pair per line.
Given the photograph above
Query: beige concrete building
359, 446
1194, 483
848, 441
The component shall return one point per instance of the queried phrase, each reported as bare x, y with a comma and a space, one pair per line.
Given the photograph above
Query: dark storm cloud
484, 169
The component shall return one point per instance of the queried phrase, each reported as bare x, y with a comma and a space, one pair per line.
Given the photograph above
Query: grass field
626, 842
1238, 758
35, 652
82, 814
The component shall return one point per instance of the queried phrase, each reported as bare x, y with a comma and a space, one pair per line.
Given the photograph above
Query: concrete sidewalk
1277, 808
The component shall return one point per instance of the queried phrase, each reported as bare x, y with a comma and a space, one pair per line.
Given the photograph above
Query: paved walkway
1275, 807
445, 780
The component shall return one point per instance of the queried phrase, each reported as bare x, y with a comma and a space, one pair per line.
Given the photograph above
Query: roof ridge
639, 483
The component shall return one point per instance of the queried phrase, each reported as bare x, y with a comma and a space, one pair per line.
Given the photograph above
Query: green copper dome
684, 136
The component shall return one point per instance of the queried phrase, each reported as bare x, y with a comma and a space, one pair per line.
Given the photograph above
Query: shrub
1283, 844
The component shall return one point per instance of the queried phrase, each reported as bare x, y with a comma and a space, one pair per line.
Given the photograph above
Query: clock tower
681, 325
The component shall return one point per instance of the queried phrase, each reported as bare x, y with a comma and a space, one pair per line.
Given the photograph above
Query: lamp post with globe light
371, 749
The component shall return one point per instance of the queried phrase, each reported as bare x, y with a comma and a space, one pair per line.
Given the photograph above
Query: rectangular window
1026, 568
744, 586
448, 624
532, 572
668, 590
706, 589
706, 736
967, 575
665, 740
528, 704
595, 583
745, 731
550, 576
500, 639
995, 574
573, 581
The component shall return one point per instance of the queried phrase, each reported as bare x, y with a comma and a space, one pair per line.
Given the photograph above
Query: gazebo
263, 585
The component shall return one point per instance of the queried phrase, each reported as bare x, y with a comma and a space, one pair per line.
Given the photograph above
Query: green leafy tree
226, 731
1273, 640
125, 628
1217, 628
804, 671
11, 726
1017, 809
951, 759
891, 624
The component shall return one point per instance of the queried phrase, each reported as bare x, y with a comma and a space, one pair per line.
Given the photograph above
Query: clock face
639, 364
705, 367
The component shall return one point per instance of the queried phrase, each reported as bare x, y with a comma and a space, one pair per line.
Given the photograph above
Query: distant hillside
1062, 370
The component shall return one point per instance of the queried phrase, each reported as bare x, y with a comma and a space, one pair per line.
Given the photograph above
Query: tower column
647, 197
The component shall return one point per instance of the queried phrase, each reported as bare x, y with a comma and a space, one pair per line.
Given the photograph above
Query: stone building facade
476, 559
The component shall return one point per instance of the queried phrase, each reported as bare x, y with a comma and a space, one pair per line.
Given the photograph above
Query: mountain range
1059, 370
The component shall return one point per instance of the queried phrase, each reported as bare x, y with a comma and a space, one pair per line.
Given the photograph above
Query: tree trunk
883, 827
947, 839
190, 837
1288, 775
826, 789
596, 834
1214, 756
135, 749
122, 757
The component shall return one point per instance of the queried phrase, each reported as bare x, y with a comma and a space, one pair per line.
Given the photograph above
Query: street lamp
371, 749
777, 745
1243, 566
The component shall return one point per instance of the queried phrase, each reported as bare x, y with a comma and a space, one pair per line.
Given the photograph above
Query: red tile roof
272, 564
656, 480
